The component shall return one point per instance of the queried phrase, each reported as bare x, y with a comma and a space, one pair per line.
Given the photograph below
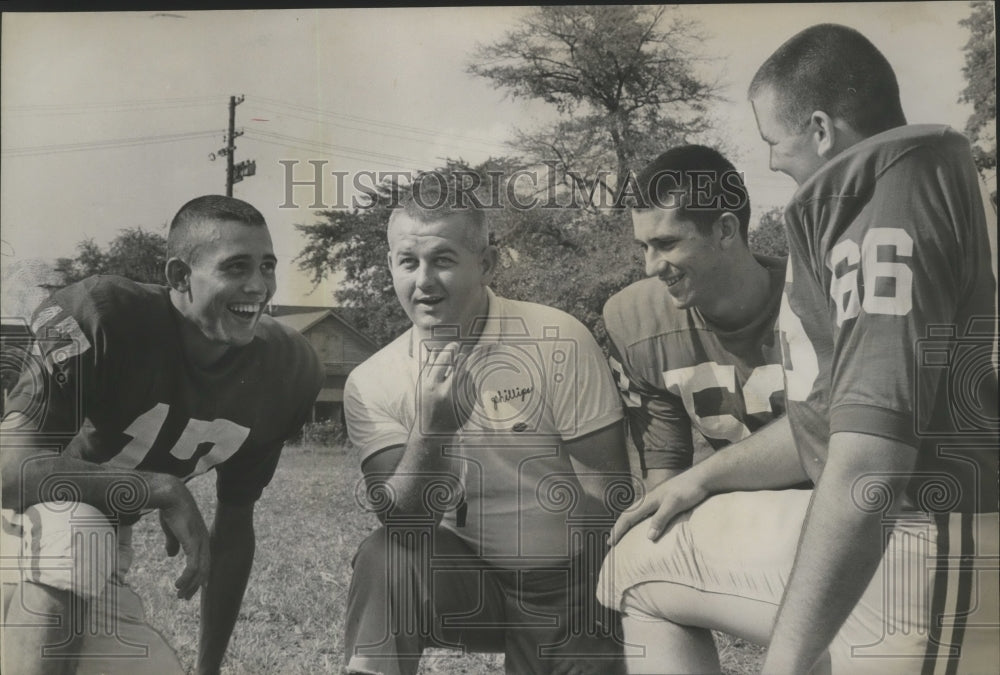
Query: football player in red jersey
888, 331
137, 388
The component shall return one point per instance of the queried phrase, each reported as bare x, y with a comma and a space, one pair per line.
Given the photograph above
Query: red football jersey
115, 388
888, 321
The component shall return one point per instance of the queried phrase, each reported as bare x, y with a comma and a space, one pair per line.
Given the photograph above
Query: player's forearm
766, 460
656, 476
839, 550
423, 463
31, 477
233, 545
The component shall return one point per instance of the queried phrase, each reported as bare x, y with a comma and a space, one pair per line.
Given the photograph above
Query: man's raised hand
446, 391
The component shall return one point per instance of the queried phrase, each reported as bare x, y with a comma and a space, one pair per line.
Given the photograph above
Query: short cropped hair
442, 194
834, 69
182, 239
697, 181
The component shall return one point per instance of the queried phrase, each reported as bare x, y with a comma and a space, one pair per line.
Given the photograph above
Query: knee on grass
387, 543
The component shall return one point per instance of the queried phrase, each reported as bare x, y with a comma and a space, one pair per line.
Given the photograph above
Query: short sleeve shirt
539, 380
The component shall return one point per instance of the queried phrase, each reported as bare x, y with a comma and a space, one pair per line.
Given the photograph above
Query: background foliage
624, 80
135, 253
981, 77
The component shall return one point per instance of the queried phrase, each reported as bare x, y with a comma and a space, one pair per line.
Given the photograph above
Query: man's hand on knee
664, 503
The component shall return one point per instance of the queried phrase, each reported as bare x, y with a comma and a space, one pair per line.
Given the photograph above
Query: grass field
308, 526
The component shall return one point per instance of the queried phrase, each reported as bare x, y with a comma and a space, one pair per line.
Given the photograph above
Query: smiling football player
144, 387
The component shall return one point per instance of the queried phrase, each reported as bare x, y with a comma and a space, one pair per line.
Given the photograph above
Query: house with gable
339, 345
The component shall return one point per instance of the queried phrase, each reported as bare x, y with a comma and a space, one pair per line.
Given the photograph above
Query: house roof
302, 318
304, 321
281, 310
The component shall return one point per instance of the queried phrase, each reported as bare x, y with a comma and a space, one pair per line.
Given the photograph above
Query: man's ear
832, 135
729, 229
178, 275
490, 260
824, 134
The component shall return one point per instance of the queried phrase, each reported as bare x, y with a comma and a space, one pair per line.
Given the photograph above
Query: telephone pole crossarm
235, 172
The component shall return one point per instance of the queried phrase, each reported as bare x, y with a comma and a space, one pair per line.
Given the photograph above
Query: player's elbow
404, 512
399, 500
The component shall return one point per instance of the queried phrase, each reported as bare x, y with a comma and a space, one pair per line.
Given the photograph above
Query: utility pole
231, 144
234, 172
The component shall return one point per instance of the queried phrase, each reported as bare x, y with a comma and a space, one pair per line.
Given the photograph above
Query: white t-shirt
539, 380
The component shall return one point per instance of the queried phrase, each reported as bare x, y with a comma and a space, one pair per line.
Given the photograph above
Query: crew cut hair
699, 182
834, 69
183, 239
441, 194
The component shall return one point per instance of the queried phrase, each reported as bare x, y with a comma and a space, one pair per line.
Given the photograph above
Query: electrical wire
332, 148
116, 106
272, 109
436, 133
108, 144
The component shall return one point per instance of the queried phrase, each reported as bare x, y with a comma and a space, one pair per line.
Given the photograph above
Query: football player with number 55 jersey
134, 389
695, 343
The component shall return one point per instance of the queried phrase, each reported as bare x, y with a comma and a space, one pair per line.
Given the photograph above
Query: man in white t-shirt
491, 440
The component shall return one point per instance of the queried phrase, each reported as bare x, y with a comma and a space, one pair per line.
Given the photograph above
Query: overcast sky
109, 119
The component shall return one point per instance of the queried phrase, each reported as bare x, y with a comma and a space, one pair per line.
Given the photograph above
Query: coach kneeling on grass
136, 388
491, 438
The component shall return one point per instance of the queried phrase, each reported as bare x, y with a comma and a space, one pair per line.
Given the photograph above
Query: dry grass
308, 526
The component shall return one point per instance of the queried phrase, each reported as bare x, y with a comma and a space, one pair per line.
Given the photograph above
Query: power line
112, 106
378, 123
342, 151
338, 153
107, 144
309, 144
382, 133
138, 105
137, 109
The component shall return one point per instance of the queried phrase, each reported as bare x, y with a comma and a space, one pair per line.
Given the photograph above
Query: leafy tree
769, 236
135, 253
353, 243
574, 263
980, 72
621, 76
